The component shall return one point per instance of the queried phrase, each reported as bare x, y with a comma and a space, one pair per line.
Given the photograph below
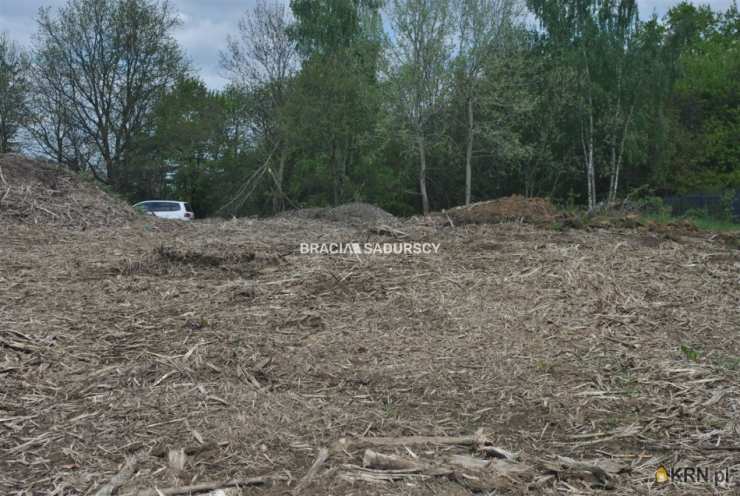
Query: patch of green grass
710, 224
702, 222
576, 217
690, 353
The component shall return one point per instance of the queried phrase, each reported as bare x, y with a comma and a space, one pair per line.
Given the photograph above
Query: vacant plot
171, 355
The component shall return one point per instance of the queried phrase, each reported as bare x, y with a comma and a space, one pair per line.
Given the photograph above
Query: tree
14, 92
262, 60
598, 38
706, 95
420, 56
484, 28
186, 136
336, 99
521, 110
52, 122
110, 61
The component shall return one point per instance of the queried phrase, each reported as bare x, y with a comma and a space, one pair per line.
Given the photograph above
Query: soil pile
40, 193
510, 208
349, 213
357, 213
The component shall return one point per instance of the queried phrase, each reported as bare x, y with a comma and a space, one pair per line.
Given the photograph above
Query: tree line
413, 105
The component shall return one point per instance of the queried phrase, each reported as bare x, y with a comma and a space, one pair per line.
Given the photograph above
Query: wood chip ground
166, 357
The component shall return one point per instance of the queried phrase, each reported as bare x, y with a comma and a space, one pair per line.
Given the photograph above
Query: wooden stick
5, 184
394, 463
320, 460
123, 476
481, 474
206, 486
388, 231
452, 224
15, 345
472, 440
373, 459
497, 452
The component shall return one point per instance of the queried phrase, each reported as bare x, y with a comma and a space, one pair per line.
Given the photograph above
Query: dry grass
220, 339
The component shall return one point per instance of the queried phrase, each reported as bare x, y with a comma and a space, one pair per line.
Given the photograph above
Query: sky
207, 23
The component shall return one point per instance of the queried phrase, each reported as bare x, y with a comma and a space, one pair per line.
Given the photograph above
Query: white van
166, 209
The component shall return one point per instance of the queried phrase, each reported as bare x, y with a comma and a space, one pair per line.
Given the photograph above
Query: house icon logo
661, 475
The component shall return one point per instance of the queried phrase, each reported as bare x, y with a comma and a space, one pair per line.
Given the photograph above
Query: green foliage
700, 219
703, 220
189, 149
656, 102
725, 203
335, 101
690, 353
708, 223
324, 27
654, 205
706, 98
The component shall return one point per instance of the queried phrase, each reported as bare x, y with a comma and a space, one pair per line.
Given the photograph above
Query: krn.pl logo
661, 475
694, 475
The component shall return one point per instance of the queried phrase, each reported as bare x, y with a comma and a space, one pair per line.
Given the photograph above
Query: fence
710, 203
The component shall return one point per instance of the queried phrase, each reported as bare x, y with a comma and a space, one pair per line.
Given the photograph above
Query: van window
160, 206
188, 208
163, 206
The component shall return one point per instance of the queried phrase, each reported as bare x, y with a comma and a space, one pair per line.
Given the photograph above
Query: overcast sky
206, 23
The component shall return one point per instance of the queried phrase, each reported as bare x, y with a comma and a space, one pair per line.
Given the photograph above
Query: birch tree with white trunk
598, 39
421, 55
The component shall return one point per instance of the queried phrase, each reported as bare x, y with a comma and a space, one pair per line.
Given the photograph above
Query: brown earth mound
349, 213
510, 208
35, 192
358, 212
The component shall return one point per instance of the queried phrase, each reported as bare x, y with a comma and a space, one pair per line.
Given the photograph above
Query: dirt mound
349, 213
358, 212
510, 208
35, 192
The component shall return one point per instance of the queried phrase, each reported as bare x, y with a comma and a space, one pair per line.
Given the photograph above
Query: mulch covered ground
44, 194
148, 357
348, 213
511, 208
619, 348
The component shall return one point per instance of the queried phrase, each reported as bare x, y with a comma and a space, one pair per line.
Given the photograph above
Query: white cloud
201, 40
